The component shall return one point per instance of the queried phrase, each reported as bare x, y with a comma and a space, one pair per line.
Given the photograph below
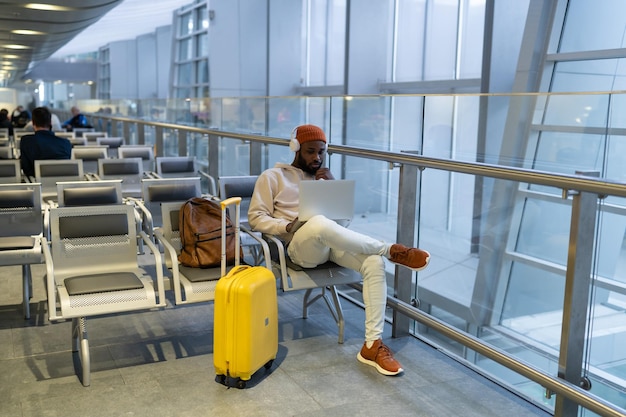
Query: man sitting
77, 120
43, 144
274, 210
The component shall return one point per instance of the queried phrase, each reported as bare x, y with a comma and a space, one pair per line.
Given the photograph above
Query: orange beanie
308, 133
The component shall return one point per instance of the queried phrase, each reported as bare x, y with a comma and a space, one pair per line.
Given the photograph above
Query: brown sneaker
413, 258
380, 357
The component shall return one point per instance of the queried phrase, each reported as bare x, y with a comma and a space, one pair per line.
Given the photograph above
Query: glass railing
496, 187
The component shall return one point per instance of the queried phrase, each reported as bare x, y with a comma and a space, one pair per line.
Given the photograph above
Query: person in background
20, 117
77, 120
55, 123
274, 210
5, 122
43, 144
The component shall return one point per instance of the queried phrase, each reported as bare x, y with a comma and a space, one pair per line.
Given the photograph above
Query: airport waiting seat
78, 141
243, 186
6, 152
92, 269
10, 171
93, 193
80, 131
21, 231
183, 166
50, 171
129, 170
89, 193
190, 285
91, 137
69, 136
324, 277
146, 153
156, 191
90, 156
113, 143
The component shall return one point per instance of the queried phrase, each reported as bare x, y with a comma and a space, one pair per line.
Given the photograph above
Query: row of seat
10, 145
93, 236
130, 166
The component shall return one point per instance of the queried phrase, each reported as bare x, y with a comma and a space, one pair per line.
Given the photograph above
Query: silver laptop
333, 198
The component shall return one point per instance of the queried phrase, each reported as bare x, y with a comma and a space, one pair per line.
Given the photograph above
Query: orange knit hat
308, 133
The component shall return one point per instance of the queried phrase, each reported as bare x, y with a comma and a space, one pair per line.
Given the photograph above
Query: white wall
238, 48
163, 60
285, 47
146, 66
123, 63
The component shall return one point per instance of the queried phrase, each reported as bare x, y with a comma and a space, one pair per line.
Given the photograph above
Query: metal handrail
598, 186
553, 384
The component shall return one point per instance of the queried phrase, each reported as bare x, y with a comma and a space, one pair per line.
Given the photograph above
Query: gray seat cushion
16, 242
114, 281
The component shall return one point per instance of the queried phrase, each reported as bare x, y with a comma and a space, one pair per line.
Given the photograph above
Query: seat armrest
50, 280
282, 260
159, 270
212, 186
147, 223
172, 256
262, 242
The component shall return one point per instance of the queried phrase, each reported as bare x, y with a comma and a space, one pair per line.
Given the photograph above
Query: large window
191, 45
324, 41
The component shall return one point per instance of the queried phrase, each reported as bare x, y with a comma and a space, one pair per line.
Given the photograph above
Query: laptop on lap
332, 198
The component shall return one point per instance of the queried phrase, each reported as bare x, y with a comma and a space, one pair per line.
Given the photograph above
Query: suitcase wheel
241, 384
268, 365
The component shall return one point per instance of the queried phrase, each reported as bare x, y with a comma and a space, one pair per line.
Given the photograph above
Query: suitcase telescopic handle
225, 203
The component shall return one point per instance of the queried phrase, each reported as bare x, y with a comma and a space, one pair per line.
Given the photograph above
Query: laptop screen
333, 198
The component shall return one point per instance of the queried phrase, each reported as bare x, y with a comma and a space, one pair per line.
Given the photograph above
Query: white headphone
294, 145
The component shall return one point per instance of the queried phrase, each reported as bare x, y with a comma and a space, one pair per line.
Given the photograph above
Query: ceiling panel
81, 26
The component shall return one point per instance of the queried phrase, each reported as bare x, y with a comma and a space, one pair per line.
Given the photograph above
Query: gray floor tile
160, 363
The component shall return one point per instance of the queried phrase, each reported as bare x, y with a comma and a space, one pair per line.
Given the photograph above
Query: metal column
403, 278
576, 297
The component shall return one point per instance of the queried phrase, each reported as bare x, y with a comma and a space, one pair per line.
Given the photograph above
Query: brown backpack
200, 227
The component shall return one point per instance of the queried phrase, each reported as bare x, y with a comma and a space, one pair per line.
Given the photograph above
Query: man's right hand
290, 225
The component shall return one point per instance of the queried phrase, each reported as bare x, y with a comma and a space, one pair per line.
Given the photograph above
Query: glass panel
592, 75
326, 42
607, 23
202, 45
410, 40
202, 18
184, 74
185, 49
202, 71
441, 41
185, 22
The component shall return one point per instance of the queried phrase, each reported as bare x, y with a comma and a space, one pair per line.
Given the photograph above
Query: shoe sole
415, 269
377, 366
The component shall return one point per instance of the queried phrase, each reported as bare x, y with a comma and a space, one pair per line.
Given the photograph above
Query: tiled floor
160, 363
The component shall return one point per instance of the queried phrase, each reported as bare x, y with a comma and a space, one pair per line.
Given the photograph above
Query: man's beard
306, 168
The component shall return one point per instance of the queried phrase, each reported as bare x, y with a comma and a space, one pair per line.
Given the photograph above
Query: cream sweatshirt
275, 200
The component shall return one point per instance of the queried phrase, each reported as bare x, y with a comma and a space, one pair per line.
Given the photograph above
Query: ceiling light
11, 56
14, 46
27, 32
48, 7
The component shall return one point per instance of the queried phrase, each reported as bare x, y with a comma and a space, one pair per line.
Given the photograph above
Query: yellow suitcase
245, 329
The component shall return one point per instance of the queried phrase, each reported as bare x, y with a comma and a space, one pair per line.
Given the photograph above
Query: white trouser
321, 239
